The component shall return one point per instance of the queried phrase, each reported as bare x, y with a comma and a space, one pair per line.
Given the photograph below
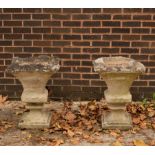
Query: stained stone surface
118, 64
118, 73
41, 63
33, 73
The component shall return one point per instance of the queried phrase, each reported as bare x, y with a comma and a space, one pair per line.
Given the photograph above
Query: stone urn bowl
33, 73
119, 74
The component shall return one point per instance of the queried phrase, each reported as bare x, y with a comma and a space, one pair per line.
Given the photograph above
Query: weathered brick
140, 30
81, 17
61, 30
71, 75
111, 23
110, 50
12, 23
51, 50
5, 43
61, 16
112, 10
22, 43
129, 50
13, 49
32, 49
131, 37
80, 56
5, 16
12, 10
82, 69
81, 43
71, 37
132, 24
32, 36
148, 24
21, 16
51, 37
52, 23
72, 50
100, 43
120, 43
148, 37
149, 10
21, 30
100, 30
32, 23
77, 36
71, 63
5, 30
81, 30
41, 30
52, 10
71, 23
120, 30
102, 17
61, 43
91, 37
140, 44
71, 10
91, 23
12, 36
41, 16
122, 17
142, 17
91, 50
42, 43
111, 37
91, 10
31, 10
132, 10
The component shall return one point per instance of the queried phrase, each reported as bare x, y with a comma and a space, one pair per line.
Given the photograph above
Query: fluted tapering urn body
34, 73
119, 74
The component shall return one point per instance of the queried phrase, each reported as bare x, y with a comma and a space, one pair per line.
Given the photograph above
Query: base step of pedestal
116, 120
37, 120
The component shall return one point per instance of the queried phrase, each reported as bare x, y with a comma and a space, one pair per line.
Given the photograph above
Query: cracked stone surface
34, 73
118, 73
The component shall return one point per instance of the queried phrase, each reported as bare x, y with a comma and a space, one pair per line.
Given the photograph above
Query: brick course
77, 36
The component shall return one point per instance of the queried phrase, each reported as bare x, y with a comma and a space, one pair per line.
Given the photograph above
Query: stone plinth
118, 73
33, 73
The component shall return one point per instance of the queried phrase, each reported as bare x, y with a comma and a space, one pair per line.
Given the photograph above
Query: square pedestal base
116, 119
35, 120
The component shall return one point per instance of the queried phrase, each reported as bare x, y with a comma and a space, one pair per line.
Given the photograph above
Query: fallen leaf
92, 105
114, 134
75, 141
139, 143
56, 142
136, 120
70, 116
142, 117
153, 125
70, 133
3, 99
151, 113
152, 143
117, 143
143, 125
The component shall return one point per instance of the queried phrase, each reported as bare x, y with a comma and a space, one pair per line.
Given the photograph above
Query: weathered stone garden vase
33, 73
118, 73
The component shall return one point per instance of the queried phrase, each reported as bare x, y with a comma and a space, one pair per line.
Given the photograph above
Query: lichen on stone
118, 64
41, 63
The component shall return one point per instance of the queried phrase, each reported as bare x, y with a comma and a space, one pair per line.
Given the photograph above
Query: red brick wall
77, 36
